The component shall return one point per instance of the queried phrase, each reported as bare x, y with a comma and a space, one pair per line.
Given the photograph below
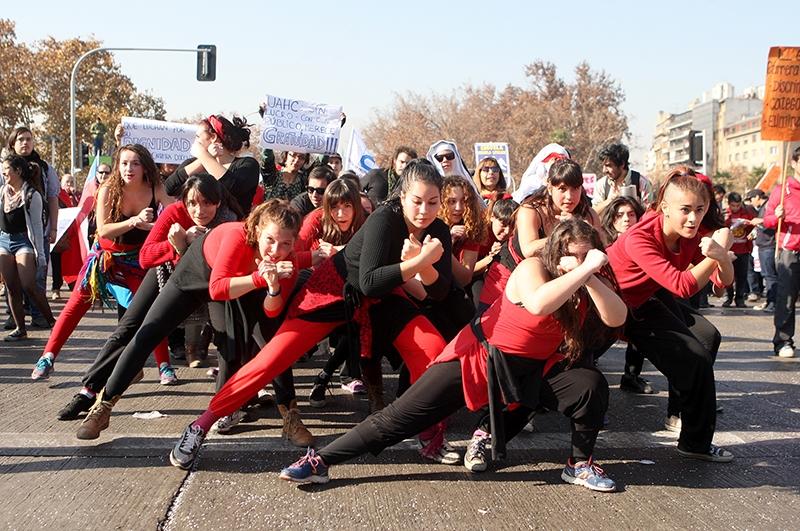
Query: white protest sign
358, 158
300, 126
66, 216
168, 142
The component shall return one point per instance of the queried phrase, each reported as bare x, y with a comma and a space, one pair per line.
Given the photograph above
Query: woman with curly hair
548, 303
463, 212
127, 204
250, 262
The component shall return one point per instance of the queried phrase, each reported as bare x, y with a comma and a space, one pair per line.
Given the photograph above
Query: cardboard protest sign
500, 152
168, 142
781, 117
358, 158
300, 126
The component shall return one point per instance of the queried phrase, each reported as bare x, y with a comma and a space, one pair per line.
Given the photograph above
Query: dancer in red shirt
664, 255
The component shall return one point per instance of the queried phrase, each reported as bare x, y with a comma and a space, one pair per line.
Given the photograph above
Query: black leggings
580, 393
683, 345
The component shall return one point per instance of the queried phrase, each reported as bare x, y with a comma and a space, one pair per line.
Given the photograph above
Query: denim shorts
15, 244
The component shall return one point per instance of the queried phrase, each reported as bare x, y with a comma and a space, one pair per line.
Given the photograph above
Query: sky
360, 54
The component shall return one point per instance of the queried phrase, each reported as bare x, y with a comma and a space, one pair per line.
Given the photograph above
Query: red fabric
518, 333
643, 263
67, 199
258, 198
464, 245
789, 236
418, 343
311, 232
226, 252
740, 229
156, 249
76, 307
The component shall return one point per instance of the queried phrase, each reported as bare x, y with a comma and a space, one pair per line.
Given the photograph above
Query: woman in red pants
401, 240
127, 204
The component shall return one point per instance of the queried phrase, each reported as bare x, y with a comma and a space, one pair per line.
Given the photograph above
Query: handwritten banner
168, 142
300, 126
781, 117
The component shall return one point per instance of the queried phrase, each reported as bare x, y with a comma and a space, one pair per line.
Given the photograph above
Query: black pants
343, 354
581, 394
55, 263
786, 289
683, 345
97, 375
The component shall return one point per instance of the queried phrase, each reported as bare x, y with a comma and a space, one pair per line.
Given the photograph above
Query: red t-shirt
643, 263
740, 228
228, 255
310, 232
518, 333
156, 249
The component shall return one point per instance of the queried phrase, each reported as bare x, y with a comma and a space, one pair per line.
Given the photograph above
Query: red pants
418, 344
76, 307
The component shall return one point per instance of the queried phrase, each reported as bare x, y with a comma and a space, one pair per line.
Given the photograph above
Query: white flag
359, 159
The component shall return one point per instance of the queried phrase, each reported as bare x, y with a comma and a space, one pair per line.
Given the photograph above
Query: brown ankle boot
194, 358
293, 428
97, 418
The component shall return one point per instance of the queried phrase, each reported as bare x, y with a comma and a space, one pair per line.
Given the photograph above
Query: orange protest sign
781, 117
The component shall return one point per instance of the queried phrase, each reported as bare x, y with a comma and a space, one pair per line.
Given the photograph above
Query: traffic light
697, 148
206, 62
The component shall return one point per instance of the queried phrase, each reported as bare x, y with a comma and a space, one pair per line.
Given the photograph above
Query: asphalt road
49, 479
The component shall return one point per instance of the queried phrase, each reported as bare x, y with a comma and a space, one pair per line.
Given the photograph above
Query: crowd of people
498, 302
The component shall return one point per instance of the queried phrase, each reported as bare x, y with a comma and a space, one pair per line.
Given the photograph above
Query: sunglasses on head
318, 191
445, 156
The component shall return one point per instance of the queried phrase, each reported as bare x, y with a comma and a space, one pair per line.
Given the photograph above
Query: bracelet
275, 293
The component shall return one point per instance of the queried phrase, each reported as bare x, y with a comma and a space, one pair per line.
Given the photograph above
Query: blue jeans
766, 255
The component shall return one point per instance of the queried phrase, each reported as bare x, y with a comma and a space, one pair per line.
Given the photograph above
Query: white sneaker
226, 423
786, 351
673, 423
475, 458
444, 454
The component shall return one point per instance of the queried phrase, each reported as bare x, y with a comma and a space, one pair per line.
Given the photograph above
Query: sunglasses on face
102, 172
318, 191
445, 156
491, 169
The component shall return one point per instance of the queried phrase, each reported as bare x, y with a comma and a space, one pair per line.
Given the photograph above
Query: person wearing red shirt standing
737, 217
659, 259
787, 262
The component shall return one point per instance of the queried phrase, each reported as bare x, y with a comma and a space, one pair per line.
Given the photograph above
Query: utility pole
206, 61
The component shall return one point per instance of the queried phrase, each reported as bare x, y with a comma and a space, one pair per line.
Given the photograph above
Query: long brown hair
276, 211
577, 332
474, 218
502, 184
114, 183
341, 191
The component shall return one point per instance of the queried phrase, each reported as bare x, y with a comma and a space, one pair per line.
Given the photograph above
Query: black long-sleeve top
372, 256
240, 180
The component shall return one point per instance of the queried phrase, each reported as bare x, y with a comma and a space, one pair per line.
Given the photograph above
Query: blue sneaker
589, 475
308, 469
42, 369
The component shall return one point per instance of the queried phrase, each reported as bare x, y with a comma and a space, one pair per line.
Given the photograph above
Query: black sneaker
41, 322
317, 396
635, 384
79, 404
741, 304
10, 324
727, 303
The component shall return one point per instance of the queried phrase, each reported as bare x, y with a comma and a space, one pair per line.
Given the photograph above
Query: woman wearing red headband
216, 145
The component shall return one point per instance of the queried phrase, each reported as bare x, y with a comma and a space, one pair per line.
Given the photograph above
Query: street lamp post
202, 52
